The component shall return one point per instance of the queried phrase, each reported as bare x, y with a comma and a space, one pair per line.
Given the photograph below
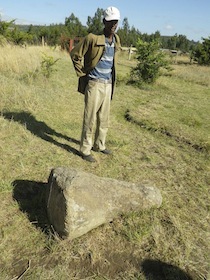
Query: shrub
202, 52
150, 62
47, 65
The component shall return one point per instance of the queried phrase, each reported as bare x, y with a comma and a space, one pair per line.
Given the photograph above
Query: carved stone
78, 201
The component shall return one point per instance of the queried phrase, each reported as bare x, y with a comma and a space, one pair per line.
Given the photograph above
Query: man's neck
109, 36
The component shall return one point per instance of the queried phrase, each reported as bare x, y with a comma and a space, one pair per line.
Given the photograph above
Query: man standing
94, 62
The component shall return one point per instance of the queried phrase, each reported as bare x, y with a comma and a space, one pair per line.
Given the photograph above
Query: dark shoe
89, 158
106, 152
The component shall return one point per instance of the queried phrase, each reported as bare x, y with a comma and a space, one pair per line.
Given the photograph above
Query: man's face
110, 26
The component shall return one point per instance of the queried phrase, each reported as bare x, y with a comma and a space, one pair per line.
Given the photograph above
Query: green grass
164, 141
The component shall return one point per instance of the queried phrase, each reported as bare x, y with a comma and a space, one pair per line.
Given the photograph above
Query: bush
47, 65
202, 52
150, 62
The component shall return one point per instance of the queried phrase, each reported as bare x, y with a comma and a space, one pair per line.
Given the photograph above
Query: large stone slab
78, 201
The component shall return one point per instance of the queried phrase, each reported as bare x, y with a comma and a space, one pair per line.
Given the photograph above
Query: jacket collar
101, 40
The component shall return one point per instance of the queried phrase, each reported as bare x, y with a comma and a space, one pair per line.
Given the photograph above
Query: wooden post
43, 44
71, 44
129, 53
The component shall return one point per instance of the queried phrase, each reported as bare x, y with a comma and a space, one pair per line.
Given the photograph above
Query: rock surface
78, 201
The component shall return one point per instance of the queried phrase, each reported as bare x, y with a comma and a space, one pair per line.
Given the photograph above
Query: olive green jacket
87, 53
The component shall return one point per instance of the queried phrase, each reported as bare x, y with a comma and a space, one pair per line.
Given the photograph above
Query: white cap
111, 13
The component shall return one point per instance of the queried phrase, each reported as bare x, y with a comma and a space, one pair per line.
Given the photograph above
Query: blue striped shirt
103, 69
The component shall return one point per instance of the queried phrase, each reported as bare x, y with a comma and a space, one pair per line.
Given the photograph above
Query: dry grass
40, 127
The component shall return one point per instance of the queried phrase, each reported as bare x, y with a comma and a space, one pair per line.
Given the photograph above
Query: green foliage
128, 36
47, 65
5, 27
150, 62
201, 53
19, 37
12, 33
177, 42
95, 24
74, 26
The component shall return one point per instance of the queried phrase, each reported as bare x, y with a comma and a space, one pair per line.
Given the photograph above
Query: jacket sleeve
77, 55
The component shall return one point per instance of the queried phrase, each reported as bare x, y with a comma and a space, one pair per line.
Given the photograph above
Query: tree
95, 24
150, 61
156, 35
43, 34
124, 33
5, 27
126, 26
201, 53
19, 37
74, 26
182, 43
134, 35
172, 42
128, 36
56, 32
12, 34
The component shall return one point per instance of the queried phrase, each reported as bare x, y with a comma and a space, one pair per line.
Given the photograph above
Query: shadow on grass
31, 198
157, 270
41, 129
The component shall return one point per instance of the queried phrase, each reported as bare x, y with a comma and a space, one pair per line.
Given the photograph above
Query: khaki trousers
96, 116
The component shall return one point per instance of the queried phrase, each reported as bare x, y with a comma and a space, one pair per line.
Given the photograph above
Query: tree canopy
95, 23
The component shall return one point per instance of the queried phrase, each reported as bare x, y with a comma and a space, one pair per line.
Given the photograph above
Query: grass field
158, 133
